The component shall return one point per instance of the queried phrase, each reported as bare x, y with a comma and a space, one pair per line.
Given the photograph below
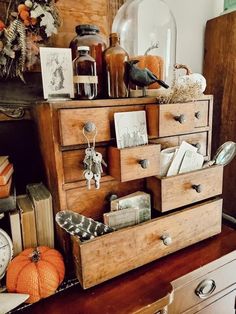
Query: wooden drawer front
134, 162
201, 113
73, 164
93, 203
162, 119
72, 122
176, 191
199, 140
185, 296
129, 248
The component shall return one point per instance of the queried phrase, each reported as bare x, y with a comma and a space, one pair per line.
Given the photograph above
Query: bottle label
89, 79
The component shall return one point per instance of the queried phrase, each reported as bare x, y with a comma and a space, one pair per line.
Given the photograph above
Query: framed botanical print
57, 73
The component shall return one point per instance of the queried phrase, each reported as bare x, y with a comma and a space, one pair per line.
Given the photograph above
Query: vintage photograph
131, 128
57, 73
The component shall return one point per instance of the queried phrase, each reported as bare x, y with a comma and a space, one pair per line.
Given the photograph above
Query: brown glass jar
114, 63
85, 77
88, 35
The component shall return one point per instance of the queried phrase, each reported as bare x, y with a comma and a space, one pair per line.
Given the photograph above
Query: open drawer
115, 253
185, 189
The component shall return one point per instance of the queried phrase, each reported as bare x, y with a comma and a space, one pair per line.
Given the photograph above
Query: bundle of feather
81, 226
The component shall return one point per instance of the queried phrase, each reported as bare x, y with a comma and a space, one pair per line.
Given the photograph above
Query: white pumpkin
191, 77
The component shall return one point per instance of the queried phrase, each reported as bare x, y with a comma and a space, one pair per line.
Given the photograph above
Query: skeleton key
97, 177
88, 174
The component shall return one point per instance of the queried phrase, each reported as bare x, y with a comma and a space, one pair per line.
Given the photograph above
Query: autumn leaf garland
30, 23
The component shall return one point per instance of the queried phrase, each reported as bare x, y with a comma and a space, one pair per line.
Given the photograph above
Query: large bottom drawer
110, 255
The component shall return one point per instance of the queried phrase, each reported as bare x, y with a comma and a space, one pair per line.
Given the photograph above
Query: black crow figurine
141, 77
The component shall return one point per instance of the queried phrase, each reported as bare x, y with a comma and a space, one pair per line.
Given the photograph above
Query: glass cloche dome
147, 30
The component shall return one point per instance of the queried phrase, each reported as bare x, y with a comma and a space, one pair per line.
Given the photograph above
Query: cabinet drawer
129, 248
184, 189
174, 119
200, 140
134, 162
201, 113
73, 166
196, 291
72, 121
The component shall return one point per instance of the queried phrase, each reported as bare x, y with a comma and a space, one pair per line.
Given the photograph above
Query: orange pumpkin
154, 63
37, 272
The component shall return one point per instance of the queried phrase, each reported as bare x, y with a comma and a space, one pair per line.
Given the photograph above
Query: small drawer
200, 289
73, 166
134, 162
200, 140
184, 189
170, 119
201, 113
120, 251
72, 121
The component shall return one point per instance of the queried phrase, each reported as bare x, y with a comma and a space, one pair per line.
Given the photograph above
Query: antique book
138, 199
6, 174
5, 189
28, 225
42, 202
3, 162
15, 231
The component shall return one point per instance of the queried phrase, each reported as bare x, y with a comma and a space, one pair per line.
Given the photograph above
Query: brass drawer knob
205, 288
166, 238
198, 115
197, 188
89, 127
144, 163
181, 119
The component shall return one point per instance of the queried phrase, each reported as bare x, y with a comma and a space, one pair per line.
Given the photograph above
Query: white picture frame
57, 73
131, 128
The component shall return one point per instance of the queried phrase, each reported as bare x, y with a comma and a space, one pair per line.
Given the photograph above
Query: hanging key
88, 174
97, 177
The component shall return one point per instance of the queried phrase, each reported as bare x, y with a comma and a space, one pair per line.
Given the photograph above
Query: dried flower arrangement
28, 24
182, 90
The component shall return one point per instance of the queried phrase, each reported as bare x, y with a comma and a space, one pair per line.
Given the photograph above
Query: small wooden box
115, 253
134, 162
184, 189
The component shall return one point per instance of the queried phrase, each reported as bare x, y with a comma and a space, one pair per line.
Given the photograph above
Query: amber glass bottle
114, 63
88, 35
85, 77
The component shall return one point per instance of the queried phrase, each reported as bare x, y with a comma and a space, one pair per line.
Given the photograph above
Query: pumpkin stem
185, 67
153, 46
35, 255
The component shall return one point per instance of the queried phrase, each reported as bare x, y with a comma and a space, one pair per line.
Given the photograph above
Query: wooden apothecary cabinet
60, 126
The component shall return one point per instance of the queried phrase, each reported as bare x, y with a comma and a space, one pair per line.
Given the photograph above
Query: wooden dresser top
148, 287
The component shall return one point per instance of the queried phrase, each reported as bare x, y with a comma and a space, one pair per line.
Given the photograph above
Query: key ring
94, 137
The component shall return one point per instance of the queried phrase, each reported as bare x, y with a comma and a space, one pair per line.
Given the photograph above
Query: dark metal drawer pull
144, 163
198, 115
197, 188
89, 127
205, 288
181, 119
166, 238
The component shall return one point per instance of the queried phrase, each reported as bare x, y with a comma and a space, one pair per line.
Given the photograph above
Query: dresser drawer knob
144, 163
205, 288
167, 240
181, 119
198, 115
89, 127
197, 188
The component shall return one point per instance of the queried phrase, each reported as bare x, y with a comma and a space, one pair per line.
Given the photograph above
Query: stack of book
6, 171
31, 223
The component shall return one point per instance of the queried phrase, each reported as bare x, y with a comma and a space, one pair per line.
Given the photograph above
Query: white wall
191, 17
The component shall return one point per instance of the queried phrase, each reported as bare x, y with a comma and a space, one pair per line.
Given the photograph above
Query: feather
81, 226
